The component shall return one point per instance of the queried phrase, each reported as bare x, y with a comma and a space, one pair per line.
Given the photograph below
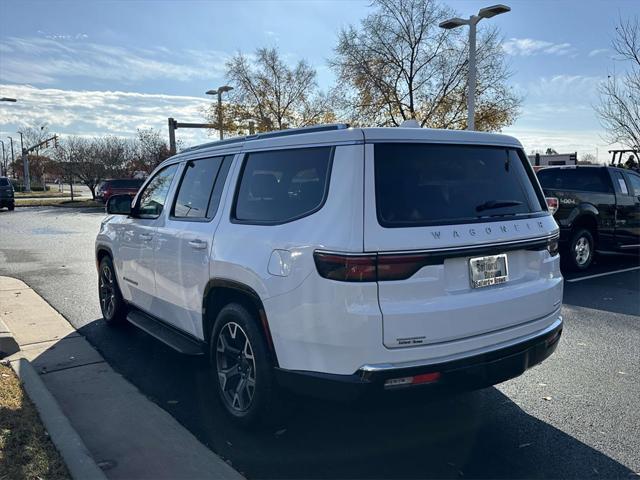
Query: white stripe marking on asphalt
588, 277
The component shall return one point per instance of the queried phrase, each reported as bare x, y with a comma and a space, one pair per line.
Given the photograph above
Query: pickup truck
596, 207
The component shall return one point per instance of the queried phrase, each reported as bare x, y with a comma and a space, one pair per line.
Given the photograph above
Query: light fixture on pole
473, 20
219, 92
7, 99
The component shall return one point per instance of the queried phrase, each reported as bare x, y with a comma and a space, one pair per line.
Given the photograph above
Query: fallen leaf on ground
546, 398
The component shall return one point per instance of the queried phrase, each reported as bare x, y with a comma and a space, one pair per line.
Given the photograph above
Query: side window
201, 187
619, 183
194, 192
154, 195
284, 185
216, 194
635, 183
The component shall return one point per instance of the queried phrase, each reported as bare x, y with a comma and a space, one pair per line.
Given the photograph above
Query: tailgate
418, 221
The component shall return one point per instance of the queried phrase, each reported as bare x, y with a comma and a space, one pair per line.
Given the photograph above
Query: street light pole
4, 161
13, 158
219, 92
472, 22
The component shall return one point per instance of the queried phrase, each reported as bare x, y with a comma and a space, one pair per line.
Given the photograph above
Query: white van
340, 260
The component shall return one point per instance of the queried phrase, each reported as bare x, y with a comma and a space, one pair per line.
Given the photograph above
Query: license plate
490, 270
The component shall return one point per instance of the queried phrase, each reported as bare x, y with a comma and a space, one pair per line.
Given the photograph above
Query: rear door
184, 241
430, 210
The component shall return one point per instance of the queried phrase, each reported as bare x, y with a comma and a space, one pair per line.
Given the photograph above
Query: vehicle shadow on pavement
481, 434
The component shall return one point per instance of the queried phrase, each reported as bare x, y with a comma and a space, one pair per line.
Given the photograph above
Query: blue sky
92, 67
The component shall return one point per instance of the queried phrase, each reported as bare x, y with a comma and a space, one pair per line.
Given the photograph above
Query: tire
241, 367
12, 207
112, 305
581, 249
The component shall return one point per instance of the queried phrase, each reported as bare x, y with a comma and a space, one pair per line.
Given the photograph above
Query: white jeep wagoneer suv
339, 260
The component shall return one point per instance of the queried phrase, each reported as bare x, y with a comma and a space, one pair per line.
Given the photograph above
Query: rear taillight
552, 203
348, 267
553, 246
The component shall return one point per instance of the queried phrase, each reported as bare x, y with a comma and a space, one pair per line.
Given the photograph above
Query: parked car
108, 188
596, 207
339, 262
6, 194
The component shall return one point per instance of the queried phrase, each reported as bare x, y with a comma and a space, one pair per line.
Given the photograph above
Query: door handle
198, 244
145, 237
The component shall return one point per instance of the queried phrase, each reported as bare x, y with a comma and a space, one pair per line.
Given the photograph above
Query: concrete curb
8, 344
73, 450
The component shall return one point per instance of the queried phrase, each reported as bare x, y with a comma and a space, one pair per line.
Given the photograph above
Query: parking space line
604, 274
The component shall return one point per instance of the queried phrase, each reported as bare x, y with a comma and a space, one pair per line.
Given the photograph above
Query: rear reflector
415, 380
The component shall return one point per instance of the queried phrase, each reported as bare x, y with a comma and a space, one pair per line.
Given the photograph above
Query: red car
118, 187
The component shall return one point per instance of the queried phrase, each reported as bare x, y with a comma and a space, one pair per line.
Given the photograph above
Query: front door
184, 243
136, 241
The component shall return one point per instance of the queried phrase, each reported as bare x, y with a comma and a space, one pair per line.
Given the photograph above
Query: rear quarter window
283, 185
424, 184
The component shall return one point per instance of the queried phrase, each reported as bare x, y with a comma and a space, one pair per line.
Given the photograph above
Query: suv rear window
584, 179
283, 185
426, 184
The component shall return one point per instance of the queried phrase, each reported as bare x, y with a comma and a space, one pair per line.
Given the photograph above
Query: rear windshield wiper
491, 204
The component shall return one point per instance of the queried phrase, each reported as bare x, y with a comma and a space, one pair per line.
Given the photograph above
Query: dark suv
6, 194
108, 188
597, 208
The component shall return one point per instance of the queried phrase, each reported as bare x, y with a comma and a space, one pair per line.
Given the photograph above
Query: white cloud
38, 60
84, 112
598, 51
528, 46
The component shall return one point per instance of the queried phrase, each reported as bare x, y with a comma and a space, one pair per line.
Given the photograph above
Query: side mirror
119, 205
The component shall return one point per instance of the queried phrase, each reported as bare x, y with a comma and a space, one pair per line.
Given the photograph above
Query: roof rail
277, 133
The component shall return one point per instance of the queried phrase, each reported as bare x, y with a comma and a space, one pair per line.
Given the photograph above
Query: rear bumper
469, 373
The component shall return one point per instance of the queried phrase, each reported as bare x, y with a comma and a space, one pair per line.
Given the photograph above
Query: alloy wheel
582, 251
107, 292
236, 367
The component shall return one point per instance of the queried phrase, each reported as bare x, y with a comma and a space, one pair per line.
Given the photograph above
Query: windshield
424, 184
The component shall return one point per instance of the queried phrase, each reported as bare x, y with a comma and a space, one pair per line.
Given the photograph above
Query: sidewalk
128, 435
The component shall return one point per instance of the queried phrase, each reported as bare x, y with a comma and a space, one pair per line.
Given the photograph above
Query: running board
166, 334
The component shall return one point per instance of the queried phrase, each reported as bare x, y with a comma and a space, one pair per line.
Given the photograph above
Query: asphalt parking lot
575, 416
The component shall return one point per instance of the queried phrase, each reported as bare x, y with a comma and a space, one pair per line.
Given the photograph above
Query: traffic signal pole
25, 158
174, 125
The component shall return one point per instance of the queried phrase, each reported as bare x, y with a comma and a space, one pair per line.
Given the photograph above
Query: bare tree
619, 108
588, 159
400, 65
272, 94
148, 150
